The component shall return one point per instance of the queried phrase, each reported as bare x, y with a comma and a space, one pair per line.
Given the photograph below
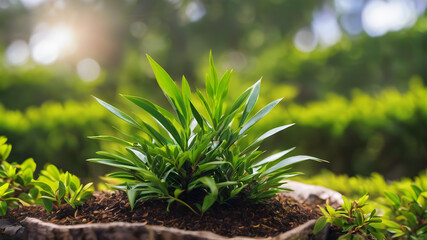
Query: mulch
238, 218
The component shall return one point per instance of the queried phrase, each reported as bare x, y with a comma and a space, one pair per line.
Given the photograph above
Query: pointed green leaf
289, 161
268, 134
45, 187
273, 157
131, 193
5, 150
122, 175
116, 157
377, 235
3, 189
416, 189
208, 201
330, 210
210, 182
207, 107
251, 102
155, 134
259, 116
197, 116
393, 197
186, 95
87, 186
363, 200
48, 205
29, 164
61, 190
113, 139
223, 85
167, 85
186, 90
212, 72
112, 163
140, 156
242, 98
346, 203
117, 112
236, 191
3, 208
152, 110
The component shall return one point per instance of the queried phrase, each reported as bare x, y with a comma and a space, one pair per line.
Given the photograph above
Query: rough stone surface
313, 193
10, 231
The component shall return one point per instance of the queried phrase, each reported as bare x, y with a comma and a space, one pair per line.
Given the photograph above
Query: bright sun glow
31, 3
48, 43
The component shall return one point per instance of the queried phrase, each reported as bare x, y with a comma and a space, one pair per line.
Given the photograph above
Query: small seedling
352, 219
57, 187
15, 180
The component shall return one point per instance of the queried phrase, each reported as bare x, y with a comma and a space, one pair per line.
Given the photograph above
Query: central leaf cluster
194, 156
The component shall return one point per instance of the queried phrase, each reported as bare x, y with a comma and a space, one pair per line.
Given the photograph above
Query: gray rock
313, 193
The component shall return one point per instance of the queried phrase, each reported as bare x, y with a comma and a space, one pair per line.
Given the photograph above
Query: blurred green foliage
375, 185
382, 133
54, 132
22, 87
376, 128
368, 64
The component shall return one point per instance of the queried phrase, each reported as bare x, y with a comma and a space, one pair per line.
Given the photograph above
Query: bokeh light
48, 43
31, 3
380, 17
4, 4
195, 11
88, 69
17, 53
346, 6
325, 26
305, 40
137, 29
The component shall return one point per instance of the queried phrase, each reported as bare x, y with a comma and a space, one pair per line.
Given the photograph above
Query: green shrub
365, 134
54, 130
355, 186
352, 220
57, 187
408, 211
196, 157
402, 204
18, 186
38, 84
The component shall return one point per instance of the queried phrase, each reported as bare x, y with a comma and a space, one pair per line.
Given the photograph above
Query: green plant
196, 157
17, 184
56, 187
408, 215
15, 180
352, 220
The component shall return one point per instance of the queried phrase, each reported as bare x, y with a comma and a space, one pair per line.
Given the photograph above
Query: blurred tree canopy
62, 52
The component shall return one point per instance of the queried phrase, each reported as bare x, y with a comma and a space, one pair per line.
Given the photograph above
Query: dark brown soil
277, 215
